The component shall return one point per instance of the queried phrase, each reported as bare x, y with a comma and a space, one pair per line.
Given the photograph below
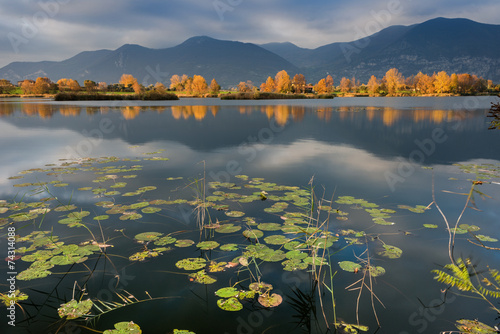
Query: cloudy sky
58, 29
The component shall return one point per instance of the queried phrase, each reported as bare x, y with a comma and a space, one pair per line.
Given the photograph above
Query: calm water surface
388, 151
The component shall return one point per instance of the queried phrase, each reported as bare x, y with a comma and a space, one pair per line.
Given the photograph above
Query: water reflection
281, 114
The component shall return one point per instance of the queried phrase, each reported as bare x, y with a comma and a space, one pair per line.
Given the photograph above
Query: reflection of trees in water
280, 113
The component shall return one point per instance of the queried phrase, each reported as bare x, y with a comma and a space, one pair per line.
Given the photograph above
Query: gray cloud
58, 29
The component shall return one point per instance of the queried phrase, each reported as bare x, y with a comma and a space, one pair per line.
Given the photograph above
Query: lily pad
207, 245
228, 228
474, 327
234, 214
12, 297
486, 238
165, 241
253, 234
101, 217
269, 227
150, 209
392, 252
124, 328
202, 277
231, 304
227, 292
270, 301
277, 239
294, 264
229, 247
74, 309
349, 266
191, 263
147, 236
430, 226
184, 243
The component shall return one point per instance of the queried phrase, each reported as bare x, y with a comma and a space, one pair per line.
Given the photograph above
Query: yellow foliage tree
442, 82
320, 87
345, 85
299, 83
282, 82
269, 86
214, 87
199, 85
128, 80
394, 81
373, 85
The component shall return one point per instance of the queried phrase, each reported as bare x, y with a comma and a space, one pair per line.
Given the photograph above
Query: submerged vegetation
241, 235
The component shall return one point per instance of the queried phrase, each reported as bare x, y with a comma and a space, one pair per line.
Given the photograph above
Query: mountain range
451, 45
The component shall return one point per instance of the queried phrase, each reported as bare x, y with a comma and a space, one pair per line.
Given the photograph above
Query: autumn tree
454, 83
73, 85
425, 84
42, 85
176, 83
345, 85
28, 86
160, 88
90, 85
199, 85
245, 87
283, 83
394, 81
299, 83
214, 87
373, 85
329, 83
465, 83
6, 87
102, 86
128, 80
442, 82
63, 84
320, 87
269, 86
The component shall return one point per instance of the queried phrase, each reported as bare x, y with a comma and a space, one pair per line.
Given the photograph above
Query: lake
151, 208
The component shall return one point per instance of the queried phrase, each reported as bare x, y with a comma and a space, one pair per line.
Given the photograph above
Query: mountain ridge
454, 45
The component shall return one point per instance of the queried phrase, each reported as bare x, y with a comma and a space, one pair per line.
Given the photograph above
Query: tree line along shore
281, 86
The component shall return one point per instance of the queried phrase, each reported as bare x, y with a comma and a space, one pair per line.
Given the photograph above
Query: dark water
369, 148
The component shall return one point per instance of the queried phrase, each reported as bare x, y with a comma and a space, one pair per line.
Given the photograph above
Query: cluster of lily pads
284, 232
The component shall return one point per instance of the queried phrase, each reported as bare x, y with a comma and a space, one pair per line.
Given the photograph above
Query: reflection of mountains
385, 132
280, 113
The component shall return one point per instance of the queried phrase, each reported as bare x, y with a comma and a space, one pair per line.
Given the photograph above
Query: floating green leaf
229, 247
191, 263
147, 236
228, 228
277, 239
231, 304
253, 234
392, 252
207, 245
269, 227
235, 214
202, 277
124, 328
349, 266
74, 309
430, 226
227, 292
474, 327
184, 243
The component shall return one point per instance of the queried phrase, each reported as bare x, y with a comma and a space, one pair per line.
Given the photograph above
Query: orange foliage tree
394, 81
283, 83
299, 83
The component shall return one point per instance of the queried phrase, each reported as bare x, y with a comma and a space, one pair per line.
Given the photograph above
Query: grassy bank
147, 96
272, 96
